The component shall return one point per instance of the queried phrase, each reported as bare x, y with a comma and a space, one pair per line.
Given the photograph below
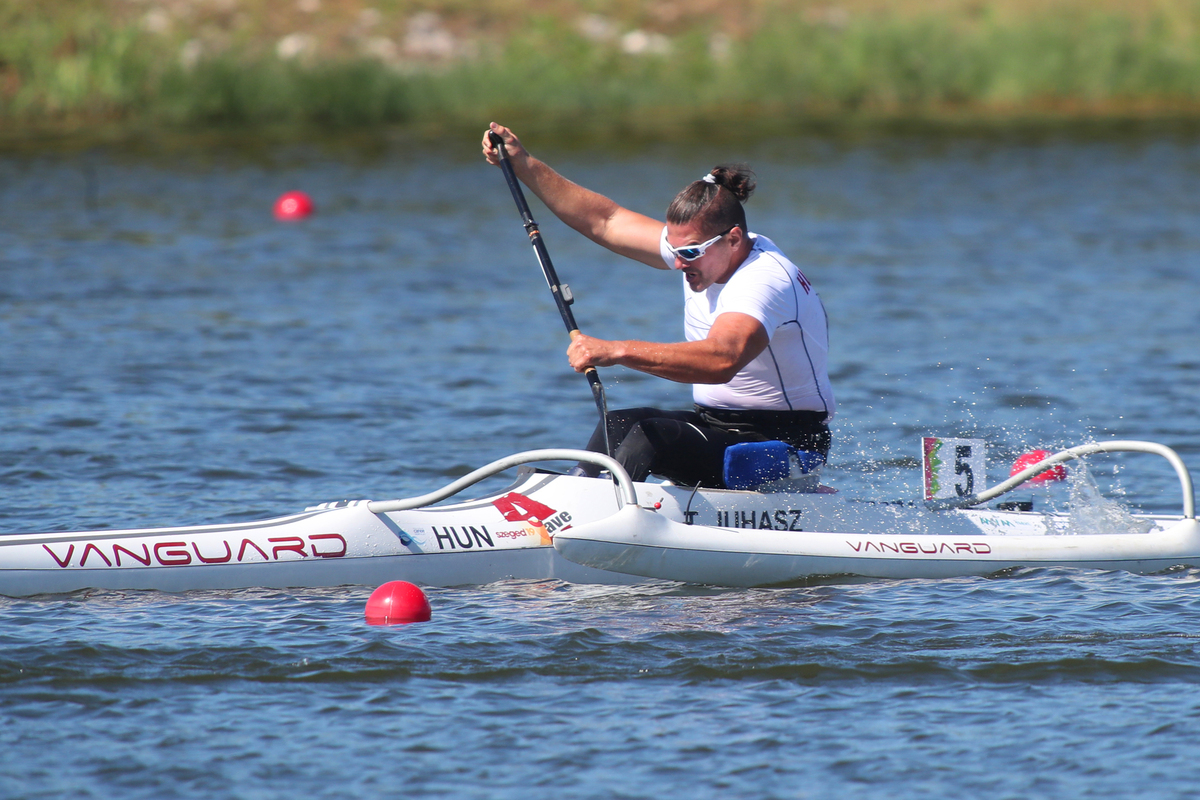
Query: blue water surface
173, 355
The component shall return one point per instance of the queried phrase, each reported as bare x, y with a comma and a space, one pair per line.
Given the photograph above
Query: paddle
562, 294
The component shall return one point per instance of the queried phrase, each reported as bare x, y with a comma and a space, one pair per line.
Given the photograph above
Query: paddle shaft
556, 287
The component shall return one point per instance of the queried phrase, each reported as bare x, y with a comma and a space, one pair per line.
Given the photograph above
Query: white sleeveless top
792, 374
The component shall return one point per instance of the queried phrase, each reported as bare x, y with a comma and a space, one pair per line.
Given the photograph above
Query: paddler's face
712, 267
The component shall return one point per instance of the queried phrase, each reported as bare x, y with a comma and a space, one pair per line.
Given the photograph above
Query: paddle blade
601, 404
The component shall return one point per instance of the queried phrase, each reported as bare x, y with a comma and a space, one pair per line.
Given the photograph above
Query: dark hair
716, 206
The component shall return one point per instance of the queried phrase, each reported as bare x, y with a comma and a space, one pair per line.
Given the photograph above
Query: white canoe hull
465, 569
502, 536
638, 542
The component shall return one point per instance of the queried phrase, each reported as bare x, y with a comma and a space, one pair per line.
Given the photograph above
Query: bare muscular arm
734, 341
625, 232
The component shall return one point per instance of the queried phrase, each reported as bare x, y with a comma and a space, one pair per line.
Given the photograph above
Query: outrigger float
601, 530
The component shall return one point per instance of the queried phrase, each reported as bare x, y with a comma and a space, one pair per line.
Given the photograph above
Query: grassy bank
641, 63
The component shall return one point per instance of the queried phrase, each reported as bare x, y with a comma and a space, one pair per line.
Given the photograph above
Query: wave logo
931, 448
540, 519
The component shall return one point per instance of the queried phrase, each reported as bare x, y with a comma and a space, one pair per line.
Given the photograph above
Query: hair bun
737, 178
702, 200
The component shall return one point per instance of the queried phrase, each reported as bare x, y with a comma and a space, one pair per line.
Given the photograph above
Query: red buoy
1056, 473
397, 602
293, 206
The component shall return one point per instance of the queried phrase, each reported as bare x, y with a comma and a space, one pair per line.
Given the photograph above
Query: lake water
172, 355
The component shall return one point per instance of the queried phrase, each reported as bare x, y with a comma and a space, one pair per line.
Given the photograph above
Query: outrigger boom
1115, 446
627, 494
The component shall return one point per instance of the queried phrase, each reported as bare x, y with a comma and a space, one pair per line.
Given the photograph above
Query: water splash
1090, 512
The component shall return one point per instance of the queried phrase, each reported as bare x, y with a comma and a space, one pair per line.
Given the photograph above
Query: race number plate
953, 467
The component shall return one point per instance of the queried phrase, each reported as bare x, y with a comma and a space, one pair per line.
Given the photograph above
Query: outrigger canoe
602, 530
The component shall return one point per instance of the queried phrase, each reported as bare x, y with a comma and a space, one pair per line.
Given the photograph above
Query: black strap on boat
562, 294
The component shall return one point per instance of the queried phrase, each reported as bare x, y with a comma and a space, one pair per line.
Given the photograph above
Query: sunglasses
690, 252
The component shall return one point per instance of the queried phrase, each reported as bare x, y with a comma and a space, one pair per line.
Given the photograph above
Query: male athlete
757, 339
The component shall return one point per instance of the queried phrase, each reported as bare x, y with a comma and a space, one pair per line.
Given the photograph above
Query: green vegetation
74, 63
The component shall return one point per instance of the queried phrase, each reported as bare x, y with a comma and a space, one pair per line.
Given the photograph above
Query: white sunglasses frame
678, 251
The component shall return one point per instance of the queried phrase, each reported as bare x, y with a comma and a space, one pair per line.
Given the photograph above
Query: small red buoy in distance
397, 602
1056, 473
292, 206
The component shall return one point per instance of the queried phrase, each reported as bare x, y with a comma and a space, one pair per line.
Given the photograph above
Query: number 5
961, 454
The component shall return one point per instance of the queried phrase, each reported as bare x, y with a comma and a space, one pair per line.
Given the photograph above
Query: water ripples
175, 357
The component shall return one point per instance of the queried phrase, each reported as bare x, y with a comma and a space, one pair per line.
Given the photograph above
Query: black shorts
688, 447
